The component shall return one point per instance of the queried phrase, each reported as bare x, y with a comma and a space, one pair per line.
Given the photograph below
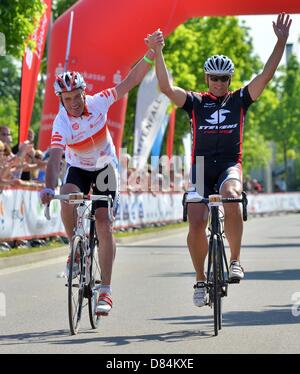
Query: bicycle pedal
234, 280
101, 314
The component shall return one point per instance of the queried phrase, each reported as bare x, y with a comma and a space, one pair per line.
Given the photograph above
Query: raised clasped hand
155, 40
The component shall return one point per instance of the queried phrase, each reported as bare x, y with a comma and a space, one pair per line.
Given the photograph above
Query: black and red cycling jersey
217, 124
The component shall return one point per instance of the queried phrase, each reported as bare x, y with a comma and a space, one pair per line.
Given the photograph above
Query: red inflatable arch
107, 39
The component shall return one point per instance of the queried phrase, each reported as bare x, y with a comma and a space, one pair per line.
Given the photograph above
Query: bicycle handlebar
224, 200
78, 198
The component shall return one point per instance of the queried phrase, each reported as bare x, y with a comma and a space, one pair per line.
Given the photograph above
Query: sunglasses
222, 78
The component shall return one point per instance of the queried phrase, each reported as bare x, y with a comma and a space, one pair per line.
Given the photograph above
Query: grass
126, 234
147, 230
24, 251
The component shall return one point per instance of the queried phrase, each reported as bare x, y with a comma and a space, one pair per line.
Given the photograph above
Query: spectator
280, 185
256, 186
8, 164
5, 135
40, 172
30, 166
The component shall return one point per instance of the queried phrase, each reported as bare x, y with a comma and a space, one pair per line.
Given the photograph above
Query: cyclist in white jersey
80, 132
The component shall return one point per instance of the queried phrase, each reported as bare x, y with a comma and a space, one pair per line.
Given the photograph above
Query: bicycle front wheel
75, 285
216, 287
95, 282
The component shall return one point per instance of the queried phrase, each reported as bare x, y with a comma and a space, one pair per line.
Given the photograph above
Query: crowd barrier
22, 214
273, 203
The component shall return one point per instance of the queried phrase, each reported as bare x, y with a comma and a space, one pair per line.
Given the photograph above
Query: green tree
17, 23
9, 78
283, 123
9, 94
256, 149
60, 6
8, 116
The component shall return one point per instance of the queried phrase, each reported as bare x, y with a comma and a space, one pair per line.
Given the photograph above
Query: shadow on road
272, 245
202, 328
274, 315
169, 337
32, 337
276, 275
46, 337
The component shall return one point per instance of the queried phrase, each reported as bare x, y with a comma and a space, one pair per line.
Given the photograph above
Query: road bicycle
84, 278
217, 279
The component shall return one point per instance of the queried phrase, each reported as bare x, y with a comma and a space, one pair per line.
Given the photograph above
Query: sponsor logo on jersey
218, 116
223, 127
75, 126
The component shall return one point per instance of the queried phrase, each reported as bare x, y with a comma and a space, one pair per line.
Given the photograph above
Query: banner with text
151, 108
30, 70
22, 214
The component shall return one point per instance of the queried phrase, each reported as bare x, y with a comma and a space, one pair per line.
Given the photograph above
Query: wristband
47, 191
148, 60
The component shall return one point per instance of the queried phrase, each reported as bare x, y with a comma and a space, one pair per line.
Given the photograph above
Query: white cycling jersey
86, 139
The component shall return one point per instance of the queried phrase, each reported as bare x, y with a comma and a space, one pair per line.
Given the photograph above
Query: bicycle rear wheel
95, 282
75, 286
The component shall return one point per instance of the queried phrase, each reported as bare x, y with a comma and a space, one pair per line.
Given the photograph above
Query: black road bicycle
217, 279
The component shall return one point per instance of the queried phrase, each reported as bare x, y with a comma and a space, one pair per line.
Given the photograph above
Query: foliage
9, 95
256, 149
8, 116
17, 22
284, 122
9, 78
60, 6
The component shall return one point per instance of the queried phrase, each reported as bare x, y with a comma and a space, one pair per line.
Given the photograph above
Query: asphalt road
152, 291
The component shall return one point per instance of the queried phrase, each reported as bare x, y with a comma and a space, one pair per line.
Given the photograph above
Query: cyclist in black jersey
217, 120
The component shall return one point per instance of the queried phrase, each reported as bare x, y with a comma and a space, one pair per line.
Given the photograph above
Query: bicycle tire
216, 291
219, 273
75, 299
95, 281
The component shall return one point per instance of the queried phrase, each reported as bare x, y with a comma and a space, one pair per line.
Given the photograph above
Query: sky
263, 35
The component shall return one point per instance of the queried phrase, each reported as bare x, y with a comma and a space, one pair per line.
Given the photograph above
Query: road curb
30, 258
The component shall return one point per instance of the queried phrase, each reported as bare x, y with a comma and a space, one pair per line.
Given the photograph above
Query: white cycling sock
106, 289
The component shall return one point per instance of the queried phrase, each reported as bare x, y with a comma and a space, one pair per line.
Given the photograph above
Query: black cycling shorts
100, 182
216, 173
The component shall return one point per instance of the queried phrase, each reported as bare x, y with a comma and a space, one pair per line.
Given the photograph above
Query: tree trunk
285, 165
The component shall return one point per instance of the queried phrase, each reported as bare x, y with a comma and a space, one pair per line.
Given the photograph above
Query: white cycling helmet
219, 65
68, 81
